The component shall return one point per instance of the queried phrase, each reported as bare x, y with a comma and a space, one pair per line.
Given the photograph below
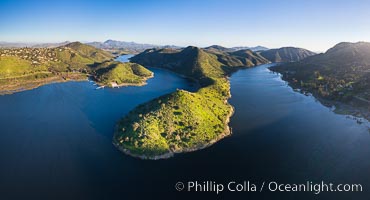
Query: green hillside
26, 68
286, 54
181, 121
12, 66
340, 74
249, 58
240, 58
90, 52
118, 74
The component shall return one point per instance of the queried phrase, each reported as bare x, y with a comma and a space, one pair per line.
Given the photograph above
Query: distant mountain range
256, 48
225, 49
130, 47
124, 47
32, 45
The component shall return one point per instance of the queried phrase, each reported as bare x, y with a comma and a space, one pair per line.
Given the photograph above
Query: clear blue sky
312, 24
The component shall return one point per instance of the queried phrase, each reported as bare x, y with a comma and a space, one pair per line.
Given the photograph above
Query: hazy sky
312, 24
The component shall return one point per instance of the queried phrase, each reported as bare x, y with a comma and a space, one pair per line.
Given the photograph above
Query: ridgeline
286, 54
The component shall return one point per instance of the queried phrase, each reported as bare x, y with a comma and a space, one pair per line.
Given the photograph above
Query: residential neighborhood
35, 55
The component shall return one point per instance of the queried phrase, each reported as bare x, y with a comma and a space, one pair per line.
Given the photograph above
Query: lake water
56, 143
